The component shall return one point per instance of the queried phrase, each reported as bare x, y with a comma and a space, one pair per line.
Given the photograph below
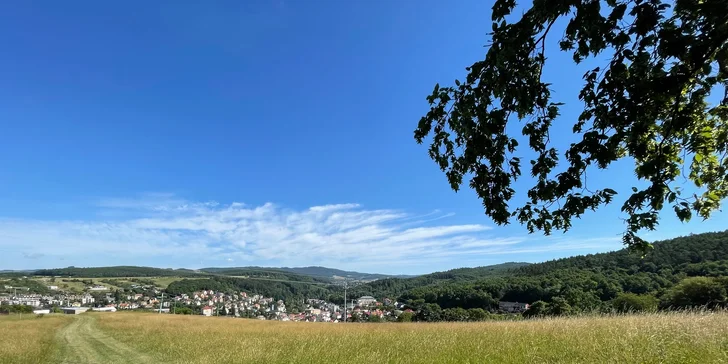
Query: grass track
82, 342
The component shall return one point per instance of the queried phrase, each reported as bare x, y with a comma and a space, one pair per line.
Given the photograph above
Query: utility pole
345, 286
161, 303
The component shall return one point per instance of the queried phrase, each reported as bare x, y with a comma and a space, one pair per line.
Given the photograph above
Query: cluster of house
211, 303
232, 304
38, 300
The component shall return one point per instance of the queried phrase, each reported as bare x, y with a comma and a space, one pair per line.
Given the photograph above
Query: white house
207, 311
41, 312
53, 288
104, 309
366, 301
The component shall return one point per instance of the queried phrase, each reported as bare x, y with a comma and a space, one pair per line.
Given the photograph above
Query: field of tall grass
654, 338
29, 339
697, 337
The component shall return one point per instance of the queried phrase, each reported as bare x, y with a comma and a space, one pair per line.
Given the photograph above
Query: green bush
630, 302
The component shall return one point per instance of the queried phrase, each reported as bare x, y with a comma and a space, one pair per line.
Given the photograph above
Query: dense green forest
683, 272
395, 287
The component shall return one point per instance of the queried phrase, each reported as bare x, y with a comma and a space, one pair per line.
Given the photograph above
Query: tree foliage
630, 302
648, 103
696, 291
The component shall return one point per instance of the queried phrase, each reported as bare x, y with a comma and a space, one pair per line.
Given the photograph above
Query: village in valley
141, 297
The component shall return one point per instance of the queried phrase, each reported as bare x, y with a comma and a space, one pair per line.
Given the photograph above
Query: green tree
374, 318
405, 317
648, 104
559, 306
455, 314
477, 314
183, 311
430, 312
630, 302
355, 317
696, 291
537, 309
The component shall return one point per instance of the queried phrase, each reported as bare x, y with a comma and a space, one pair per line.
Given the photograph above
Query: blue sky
193, 134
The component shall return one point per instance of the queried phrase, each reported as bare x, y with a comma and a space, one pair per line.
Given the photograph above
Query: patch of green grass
75, 284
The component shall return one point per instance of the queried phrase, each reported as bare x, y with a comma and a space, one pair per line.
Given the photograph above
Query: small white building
366, 301
53, 288
41, 312
98, 288
207, 311
104, 309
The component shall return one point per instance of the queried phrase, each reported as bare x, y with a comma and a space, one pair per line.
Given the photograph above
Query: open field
74, 283
27, 339
147, 337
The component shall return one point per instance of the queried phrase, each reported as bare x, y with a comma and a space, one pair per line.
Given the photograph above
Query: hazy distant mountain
314, 274
319, 273
316, 271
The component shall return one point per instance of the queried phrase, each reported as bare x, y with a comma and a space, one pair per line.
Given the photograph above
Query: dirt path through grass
82, 342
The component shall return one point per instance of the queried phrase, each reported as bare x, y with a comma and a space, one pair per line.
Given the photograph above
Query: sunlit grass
698, 337
655, 338
29, 339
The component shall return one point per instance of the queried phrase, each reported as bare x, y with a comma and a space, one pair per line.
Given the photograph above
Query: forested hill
394, 287
264, 273
584, 283
677, 254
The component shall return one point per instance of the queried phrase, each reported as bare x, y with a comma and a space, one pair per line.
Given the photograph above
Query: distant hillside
264, 273
321, 273
393, 287
116, 271
331, 273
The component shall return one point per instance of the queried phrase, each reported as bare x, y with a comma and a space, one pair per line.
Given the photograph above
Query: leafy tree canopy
648, 103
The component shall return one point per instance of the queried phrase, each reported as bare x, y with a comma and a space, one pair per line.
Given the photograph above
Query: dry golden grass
656, 338
29, 339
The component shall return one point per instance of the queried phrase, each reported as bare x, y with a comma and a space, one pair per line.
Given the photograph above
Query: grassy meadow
147, 337
28, 339
657, 338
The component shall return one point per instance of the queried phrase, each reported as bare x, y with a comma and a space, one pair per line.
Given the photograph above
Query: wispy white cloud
164, 225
